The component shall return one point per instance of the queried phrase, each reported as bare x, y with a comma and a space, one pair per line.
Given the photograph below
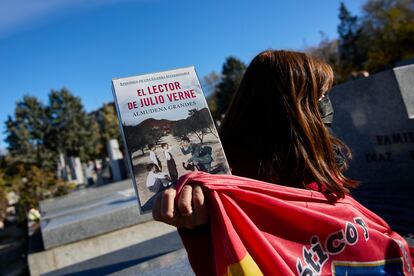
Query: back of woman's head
273, 130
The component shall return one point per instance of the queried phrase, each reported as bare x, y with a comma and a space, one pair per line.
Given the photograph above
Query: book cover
168, 130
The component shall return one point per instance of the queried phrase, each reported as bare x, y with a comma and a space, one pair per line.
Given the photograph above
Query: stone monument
76, 170
374, 116
116, 160
70, 169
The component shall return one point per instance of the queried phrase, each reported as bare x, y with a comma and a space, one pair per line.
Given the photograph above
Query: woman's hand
190, 211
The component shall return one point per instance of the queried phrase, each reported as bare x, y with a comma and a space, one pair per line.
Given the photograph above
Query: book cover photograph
168, 130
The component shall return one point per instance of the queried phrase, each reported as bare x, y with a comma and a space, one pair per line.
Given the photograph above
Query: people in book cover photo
163, 150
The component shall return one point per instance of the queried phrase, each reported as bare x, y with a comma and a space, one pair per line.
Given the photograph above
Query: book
167, 129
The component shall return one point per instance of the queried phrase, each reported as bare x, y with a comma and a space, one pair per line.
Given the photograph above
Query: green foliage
212, 105
108, 123
38, 133
388, 32
210, 83
35, 184
327, 50
3, 190
351, 54
30, 182
232, 73
28, 133
381, 37
108, 126
72, 131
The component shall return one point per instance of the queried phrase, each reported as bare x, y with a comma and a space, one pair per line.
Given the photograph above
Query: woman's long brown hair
273, 130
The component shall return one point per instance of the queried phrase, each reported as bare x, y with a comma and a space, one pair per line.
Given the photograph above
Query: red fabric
287, 231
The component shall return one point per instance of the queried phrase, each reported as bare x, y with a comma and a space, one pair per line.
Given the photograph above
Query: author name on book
163, 108
158, 94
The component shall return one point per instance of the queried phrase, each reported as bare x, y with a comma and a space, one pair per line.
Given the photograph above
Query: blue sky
82, 45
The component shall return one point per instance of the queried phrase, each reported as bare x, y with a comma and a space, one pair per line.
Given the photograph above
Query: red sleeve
412, 256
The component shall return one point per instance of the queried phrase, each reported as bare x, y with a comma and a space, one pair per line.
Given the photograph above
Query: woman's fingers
185, 201
198, 198
167, 204
192, 210
200, 208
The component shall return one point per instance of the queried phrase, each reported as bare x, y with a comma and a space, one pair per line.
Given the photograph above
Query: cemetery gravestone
116, 159
374, 116
76, 170
62, 168
405, 78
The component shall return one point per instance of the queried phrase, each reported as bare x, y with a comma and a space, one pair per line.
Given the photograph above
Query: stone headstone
405, 79
116, 159
374, 117
114, 152
63, 170
76, 170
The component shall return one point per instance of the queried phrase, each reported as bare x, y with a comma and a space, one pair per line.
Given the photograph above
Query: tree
27, 133
3, 198
327, 50
108, 123
72, 131
210, 83
38, 133
108, 126
388, 32
232, 73
31, 182
351, 52
34, 184
378, 40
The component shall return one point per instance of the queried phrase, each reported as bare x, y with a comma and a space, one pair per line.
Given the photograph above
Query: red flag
258, 228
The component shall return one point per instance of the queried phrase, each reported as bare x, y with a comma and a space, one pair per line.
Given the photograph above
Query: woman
274, 126
274, 132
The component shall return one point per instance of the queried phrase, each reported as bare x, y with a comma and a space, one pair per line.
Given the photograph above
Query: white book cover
168, 130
